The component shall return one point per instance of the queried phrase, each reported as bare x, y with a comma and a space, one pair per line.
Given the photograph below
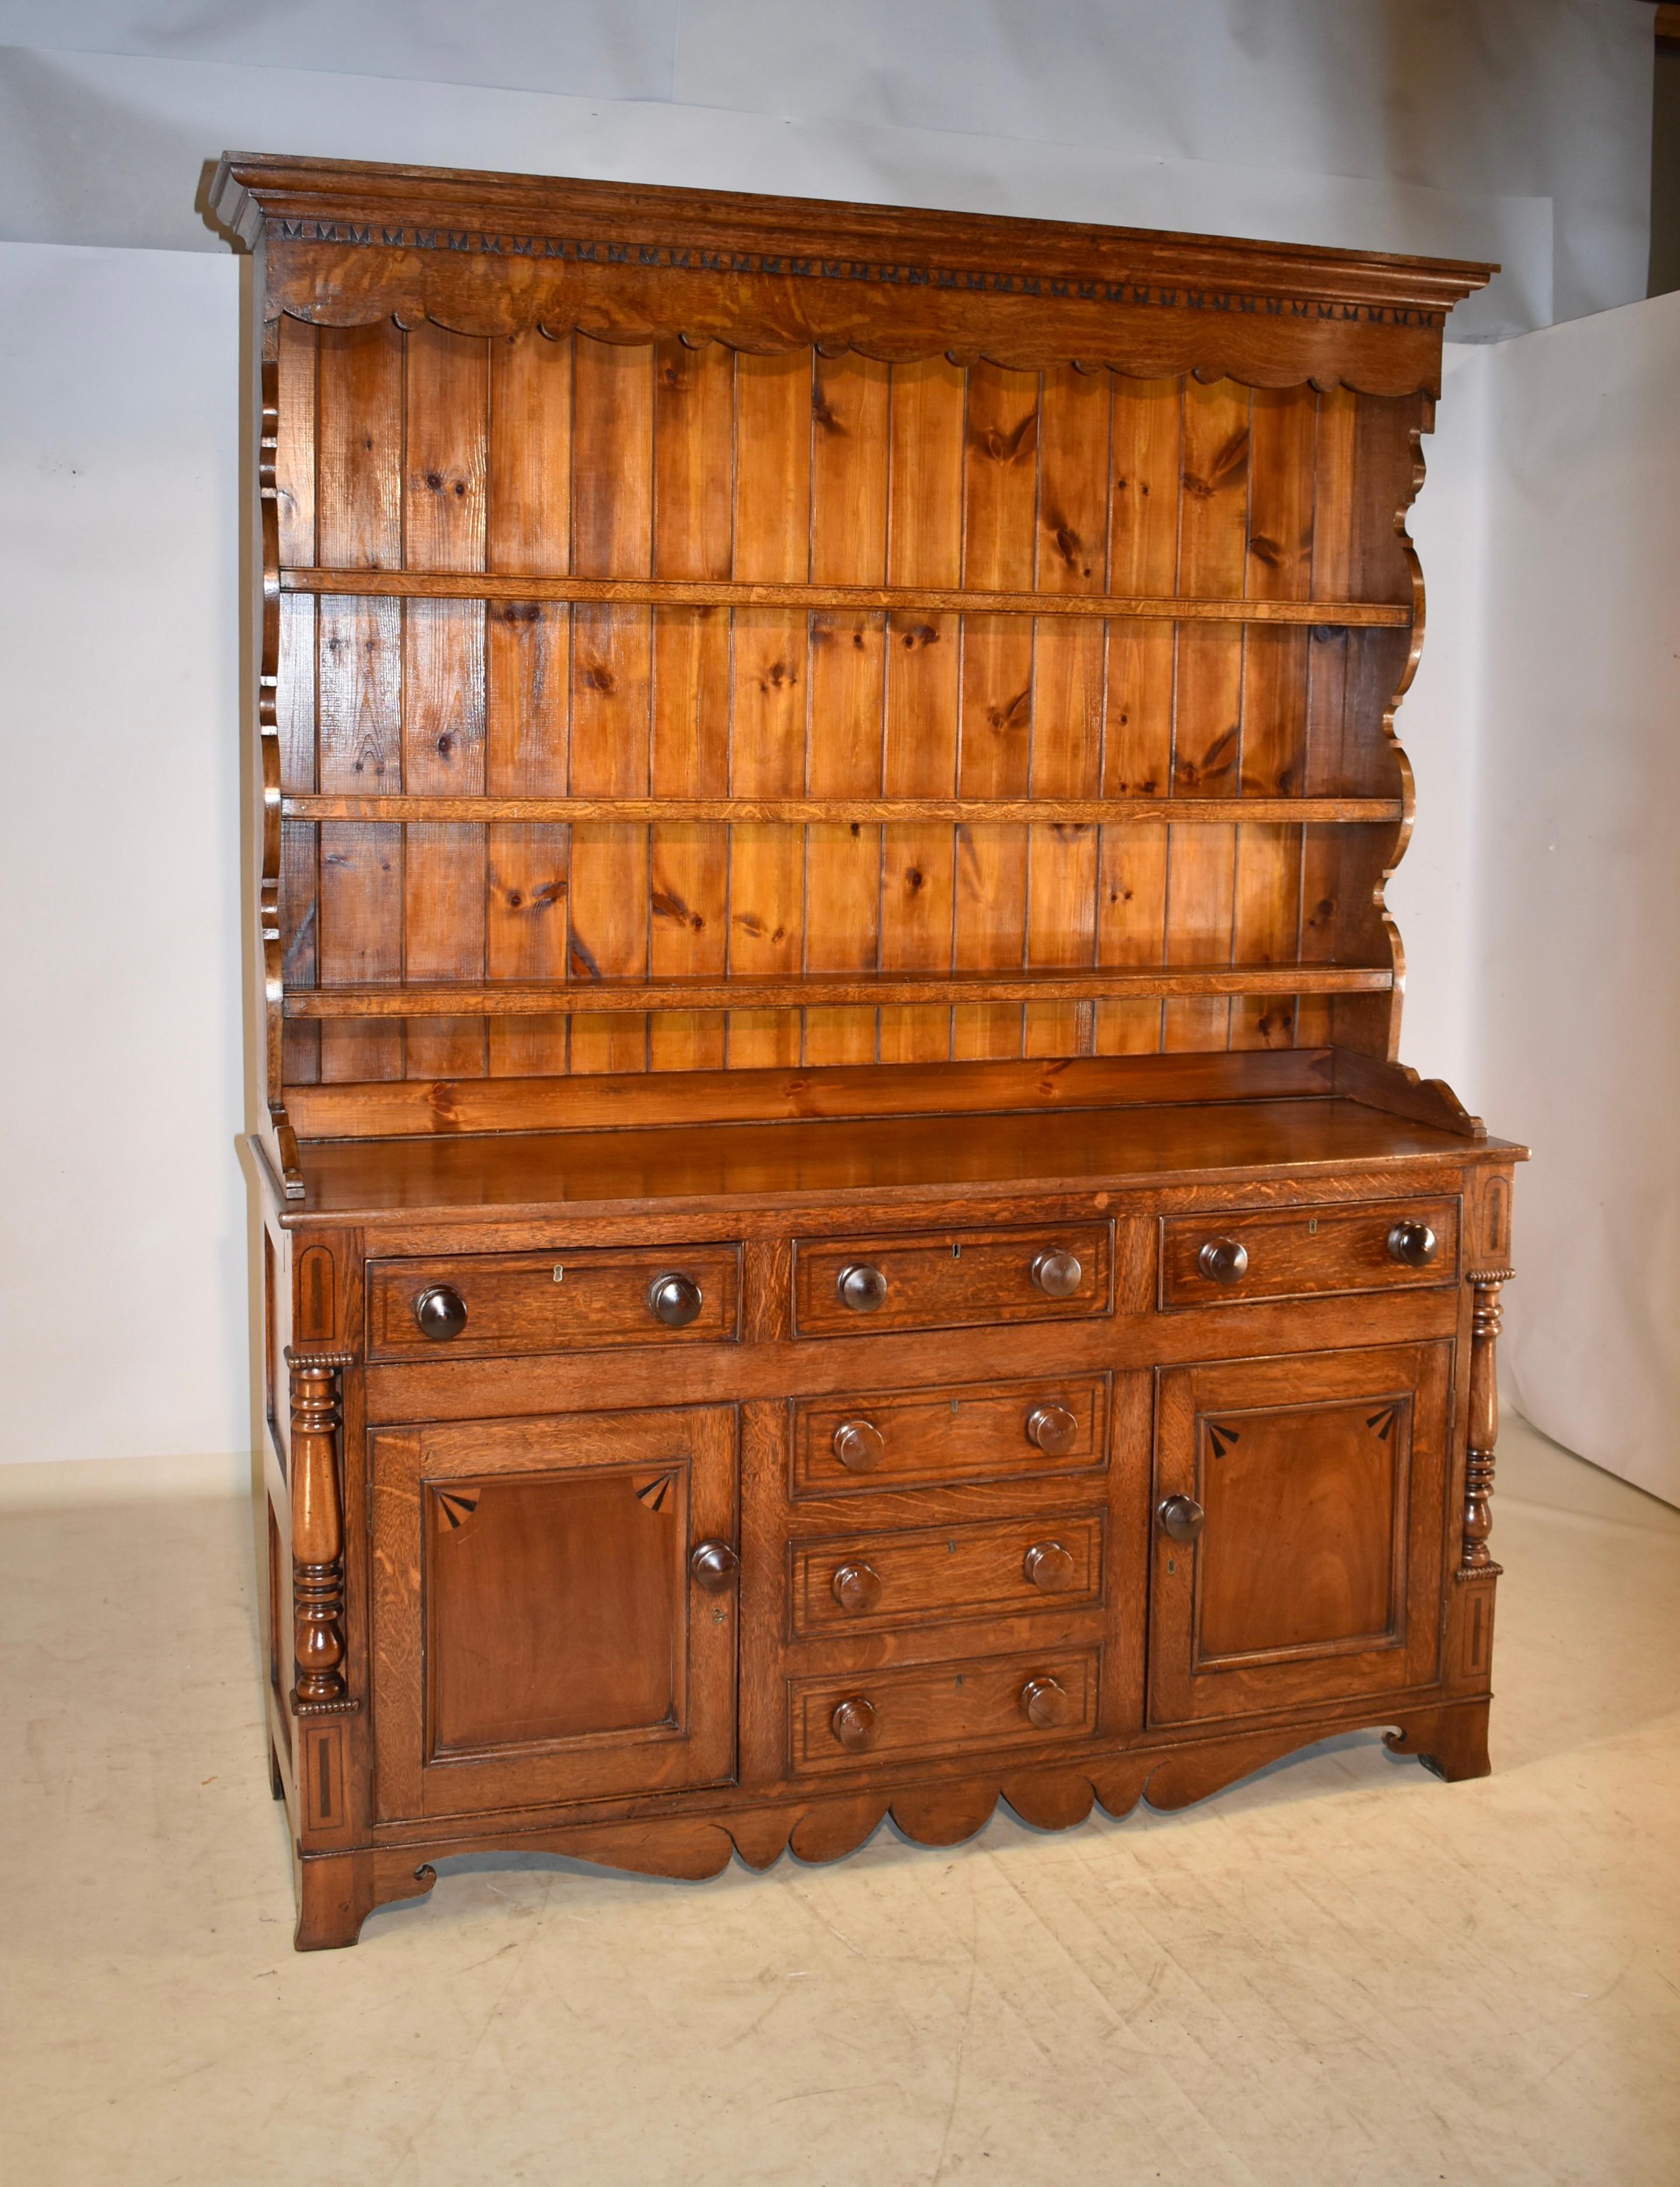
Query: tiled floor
1341, 1970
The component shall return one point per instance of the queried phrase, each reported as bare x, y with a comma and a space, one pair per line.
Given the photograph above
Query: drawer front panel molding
1219, 1259
977, 1431
475, 1304
960, 1279
863, 1582
980, 1705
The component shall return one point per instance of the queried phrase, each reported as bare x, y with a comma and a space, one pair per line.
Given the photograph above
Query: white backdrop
124, 1333
1574, 1039
122, 1281
1518, 129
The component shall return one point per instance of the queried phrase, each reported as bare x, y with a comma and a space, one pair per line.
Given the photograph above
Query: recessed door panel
1298, 1530
555, 1608
542, 1630
1310, 1491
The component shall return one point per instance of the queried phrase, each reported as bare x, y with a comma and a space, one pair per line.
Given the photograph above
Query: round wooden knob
1049, 1565
1223, 1261
1057, 1272
713, 1566
440, 1312
1047, 1703
1053, 1428
861, 1287
1413, 1243
853, 1724
1181, 1518
860, 1445
858, 1588
675, 1299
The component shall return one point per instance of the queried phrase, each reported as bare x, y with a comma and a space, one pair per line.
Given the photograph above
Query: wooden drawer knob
1049, 1565
441, 1313
858, 1588
860, 1445
1223, 1261
1413, 1243
861, 1287
1181, 1518
1047, 1703
714, 1564
675, 1299
853, 1724
1057, 1272
1053, 1428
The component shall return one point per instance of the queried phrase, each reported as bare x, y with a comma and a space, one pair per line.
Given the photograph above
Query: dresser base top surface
786, 1164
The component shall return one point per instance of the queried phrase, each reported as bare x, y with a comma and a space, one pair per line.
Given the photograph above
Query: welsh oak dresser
843, 1233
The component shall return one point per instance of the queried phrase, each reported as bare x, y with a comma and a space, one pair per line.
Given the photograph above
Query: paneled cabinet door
1298, 1530
554, 1609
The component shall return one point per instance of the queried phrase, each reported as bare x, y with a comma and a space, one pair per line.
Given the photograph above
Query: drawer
871, 1581
922, 1438
1298, 1252
514, 1303
951, 1279
838, 1722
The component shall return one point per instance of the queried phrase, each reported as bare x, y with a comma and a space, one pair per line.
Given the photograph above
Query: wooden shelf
974, 811
913, 599
827, 990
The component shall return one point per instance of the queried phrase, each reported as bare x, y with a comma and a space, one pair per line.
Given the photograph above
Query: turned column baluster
318, 1536
1475, 1561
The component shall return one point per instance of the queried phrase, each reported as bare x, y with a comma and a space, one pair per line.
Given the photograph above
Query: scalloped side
1402, 835
1399, 1090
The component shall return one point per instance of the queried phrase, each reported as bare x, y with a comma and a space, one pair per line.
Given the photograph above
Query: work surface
1340, 1971
777, 1164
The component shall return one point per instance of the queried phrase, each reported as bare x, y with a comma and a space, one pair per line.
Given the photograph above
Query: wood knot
1068, 546
1007, 447
1014, 713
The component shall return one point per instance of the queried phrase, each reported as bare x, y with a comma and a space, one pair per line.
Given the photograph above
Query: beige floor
1342, 1970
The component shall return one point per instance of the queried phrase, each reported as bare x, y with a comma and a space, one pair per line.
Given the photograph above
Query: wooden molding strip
373, 1108
829, 991
1065, 812
860, 599
726, 237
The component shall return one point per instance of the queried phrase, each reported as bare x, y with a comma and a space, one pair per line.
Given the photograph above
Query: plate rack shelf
642, 697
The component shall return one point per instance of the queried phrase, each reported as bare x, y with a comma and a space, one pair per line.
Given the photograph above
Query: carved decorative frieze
608, 250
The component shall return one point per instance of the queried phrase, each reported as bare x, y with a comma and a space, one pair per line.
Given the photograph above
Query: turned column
318, 1536
1474, 1561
